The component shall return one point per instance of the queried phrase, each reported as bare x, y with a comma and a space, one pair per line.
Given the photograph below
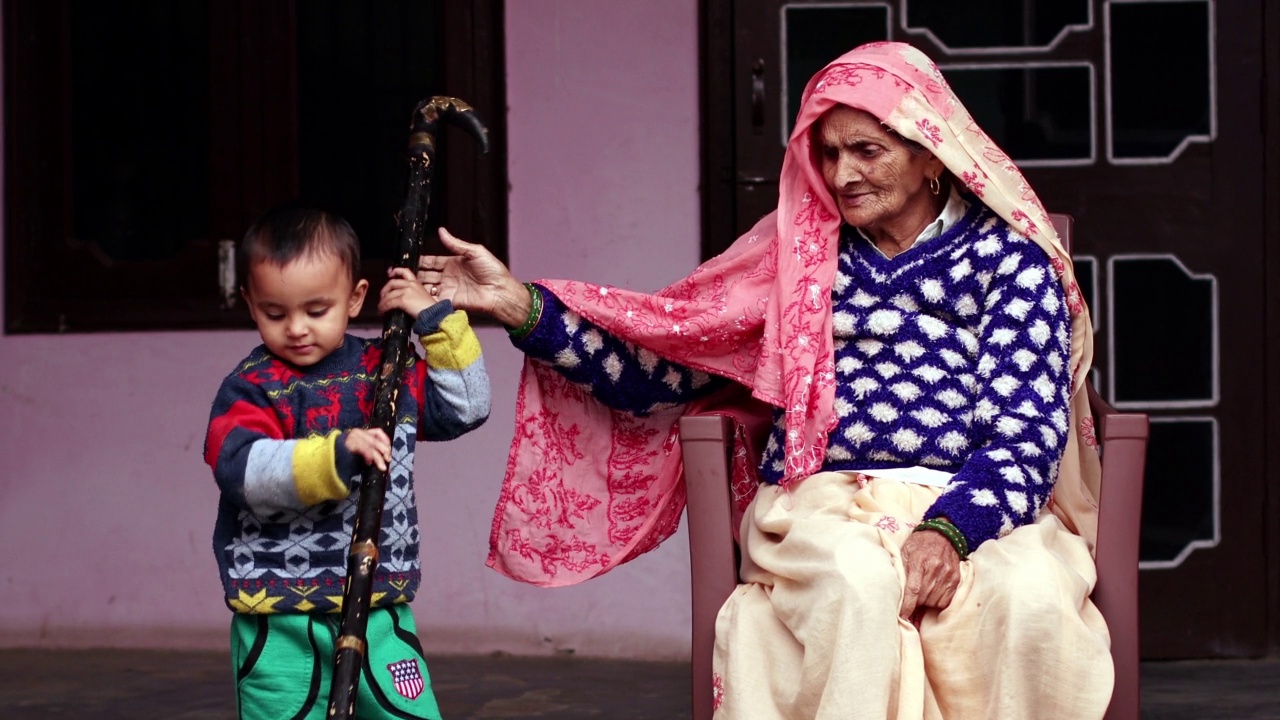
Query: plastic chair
707, 441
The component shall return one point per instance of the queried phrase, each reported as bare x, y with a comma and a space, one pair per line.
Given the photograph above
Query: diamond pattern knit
275, 443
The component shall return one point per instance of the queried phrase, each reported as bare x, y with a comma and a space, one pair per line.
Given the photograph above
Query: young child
287, 445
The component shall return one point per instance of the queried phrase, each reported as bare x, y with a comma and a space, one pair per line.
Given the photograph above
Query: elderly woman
919, 544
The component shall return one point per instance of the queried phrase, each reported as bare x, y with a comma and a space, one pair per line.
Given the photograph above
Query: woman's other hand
932, 568
404, 292
475, 281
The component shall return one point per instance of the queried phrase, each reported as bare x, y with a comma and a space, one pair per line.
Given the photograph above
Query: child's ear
248, 302
358, 294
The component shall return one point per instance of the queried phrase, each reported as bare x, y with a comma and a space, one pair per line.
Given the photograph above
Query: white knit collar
955, 209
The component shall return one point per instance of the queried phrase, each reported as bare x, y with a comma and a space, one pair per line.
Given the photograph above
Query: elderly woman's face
875, 179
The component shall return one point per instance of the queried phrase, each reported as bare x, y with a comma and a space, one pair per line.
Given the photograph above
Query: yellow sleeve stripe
454, 346
315, 470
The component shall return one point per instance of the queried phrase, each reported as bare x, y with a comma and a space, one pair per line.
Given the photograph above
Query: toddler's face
302, 308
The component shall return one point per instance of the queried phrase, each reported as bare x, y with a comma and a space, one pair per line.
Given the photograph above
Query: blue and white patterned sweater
953, 355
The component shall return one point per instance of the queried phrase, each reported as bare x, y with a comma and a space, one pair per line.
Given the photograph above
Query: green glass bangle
949, 531
535, 313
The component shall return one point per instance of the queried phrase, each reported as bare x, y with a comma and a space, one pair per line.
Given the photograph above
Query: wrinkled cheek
867, 213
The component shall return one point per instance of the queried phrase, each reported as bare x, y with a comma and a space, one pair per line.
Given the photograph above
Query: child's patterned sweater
275, 443
952, 355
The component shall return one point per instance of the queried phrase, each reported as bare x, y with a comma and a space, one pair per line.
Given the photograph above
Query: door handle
227, 273
757, 97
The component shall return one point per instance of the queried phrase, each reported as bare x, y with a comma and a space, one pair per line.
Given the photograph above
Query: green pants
284, 664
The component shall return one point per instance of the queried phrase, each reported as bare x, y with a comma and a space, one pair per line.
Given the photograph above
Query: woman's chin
859, 217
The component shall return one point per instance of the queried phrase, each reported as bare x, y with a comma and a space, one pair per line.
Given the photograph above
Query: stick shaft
362, 559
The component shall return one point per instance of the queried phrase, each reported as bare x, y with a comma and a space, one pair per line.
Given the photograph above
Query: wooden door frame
1271, 257
715, 97
718, 169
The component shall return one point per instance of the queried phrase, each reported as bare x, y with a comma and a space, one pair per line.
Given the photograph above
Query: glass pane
813, 36
1160, 81
996, 23
1151, 364
140, 83
1179, 499
1033, 113
362, 67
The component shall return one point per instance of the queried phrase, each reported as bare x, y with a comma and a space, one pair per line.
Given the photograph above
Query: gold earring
935, 187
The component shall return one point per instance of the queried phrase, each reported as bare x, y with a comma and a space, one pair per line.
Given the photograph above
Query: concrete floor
146, 685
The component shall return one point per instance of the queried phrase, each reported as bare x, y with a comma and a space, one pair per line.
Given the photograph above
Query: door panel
1157, 153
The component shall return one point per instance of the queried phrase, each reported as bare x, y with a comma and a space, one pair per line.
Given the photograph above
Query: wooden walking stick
362, 560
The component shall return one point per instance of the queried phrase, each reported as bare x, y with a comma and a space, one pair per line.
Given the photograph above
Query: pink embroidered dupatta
587, 488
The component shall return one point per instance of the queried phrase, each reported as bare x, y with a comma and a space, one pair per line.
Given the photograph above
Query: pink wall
106, 507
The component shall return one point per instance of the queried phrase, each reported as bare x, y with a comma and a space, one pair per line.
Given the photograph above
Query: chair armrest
1114, 424
1123, 437
706, 442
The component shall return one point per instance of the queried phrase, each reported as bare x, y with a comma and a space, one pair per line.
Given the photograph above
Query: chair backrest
706, 442
1064, 224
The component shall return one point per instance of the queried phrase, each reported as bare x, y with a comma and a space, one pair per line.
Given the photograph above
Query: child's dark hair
293, 230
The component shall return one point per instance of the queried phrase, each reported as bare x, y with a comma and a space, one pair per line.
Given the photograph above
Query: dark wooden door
142, 138
1152, 141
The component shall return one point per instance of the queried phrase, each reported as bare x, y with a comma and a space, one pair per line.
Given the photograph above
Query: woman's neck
898, 235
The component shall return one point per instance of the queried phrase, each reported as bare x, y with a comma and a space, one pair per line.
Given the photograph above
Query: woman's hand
371, 444
475, 281
404, 292
932, 567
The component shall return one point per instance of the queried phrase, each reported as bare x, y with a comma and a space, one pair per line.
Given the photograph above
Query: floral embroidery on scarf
847, 75
973, 129
548, 504
743, 482
930, 131
556, 553
628, 504
1087, 435
889, 524
545, 502
1026, 219
717, 691
971, 180
1074, 300
1059, 267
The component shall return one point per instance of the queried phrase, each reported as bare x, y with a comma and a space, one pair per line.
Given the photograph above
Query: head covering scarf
588, 488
